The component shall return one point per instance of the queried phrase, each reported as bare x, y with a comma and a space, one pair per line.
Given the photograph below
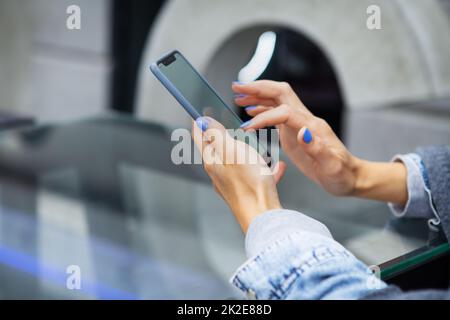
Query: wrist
381, 181
362, 178
255, 205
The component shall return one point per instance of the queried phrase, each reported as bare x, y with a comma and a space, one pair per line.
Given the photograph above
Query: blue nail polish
237, 82
202, 123
251, 108
239, 96
246, 124
307, 136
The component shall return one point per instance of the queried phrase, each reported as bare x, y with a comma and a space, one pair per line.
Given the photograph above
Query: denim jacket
292, 256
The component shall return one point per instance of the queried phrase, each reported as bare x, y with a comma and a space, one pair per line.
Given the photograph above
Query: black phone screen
202, 98
197, 91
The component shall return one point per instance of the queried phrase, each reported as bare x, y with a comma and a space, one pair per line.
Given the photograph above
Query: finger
276, 116
215, 133
279, 92
254, 100
279, 170
263, 88
217, 190
207, 151
197, 136
313, 145
208, 134
253, 111
213, 124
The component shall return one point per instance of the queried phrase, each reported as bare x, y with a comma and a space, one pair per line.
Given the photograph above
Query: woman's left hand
249, 189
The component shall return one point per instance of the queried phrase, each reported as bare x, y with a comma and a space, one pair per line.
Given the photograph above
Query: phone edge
174, 91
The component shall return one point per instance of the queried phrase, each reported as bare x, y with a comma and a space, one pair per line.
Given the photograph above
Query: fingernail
202, 123
307, 136
250, 108
246, 124
237, 82
239, 96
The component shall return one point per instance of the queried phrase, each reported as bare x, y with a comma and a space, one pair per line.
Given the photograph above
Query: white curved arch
261, 58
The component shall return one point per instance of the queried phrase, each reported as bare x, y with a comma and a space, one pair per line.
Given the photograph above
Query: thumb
312, 145
215, 134
279, 170
211, 124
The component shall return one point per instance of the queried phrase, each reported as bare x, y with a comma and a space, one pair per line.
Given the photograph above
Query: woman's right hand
314, 148
308, 141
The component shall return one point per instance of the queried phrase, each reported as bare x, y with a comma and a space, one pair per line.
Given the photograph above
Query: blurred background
342, 70
383, 91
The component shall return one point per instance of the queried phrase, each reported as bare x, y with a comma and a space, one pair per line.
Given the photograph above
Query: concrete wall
406, 61
49, 71
15, 45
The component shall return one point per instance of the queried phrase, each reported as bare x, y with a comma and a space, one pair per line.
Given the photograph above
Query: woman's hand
249, 189
314, 148
308, 141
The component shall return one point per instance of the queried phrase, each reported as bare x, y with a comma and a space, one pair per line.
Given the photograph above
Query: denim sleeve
419, 204
292, 256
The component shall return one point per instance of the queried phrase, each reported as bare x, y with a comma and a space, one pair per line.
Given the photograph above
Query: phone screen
194, 89
204, 100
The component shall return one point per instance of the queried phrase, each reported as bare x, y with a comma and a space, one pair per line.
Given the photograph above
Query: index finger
266, 89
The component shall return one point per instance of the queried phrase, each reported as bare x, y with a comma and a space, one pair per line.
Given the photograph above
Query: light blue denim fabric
292, 256
419, 203
300, 264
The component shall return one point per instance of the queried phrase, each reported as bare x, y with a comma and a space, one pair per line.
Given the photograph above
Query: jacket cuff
276, 224
295, 266
418, 204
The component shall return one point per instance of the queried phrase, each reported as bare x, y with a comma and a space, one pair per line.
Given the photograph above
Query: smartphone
196, 95
192, 90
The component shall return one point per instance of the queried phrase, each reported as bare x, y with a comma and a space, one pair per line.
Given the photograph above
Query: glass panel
103, 196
